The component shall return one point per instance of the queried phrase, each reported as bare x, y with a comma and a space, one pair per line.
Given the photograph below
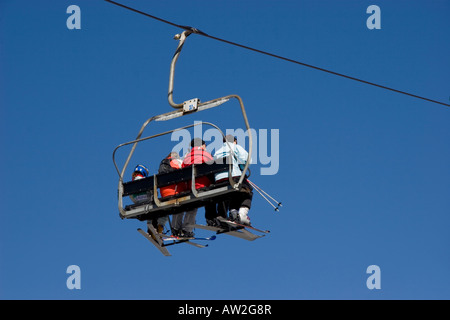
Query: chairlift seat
183, 201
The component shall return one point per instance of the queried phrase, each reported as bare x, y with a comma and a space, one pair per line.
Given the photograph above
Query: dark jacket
168, 165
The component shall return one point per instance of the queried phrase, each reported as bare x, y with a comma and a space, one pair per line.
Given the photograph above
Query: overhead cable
197, 31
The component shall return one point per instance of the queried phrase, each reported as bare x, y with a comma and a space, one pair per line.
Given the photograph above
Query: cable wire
197, 31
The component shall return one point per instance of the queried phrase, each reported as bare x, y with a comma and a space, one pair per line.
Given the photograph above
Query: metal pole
182, 38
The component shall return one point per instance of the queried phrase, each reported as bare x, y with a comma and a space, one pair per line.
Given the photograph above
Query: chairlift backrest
174, 177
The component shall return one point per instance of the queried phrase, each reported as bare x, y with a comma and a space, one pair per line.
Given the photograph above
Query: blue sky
363, 172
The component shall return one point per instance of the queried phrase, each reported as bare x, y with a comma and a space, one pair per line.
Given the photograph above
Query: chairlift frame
195, 198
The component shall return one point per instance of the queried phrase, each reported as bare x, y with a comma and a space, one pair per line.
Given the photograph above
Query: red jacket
198, 156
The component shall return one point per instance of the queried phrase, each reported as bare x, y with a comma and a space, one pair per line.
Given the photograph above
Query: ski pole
276, 208
262, 195
278, 203
260, 191
256, 187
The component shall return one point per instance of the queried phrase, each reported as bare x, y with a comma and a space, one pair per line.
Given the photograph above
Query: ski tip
213, 237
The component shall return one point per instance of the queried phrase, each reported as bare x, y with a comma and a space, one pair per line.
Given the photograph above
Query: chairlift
192, 198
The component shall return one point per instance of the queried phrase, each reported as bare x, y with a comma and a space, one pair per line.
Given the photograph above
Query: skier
199, 155
241, 204
171, 163
141, 172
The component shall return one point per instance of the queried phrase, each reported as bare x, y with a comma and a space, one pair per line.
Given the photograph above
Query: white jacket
239, 156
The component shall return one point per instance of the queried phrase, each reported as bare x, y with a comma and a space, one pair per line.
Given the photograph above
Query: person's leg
211, 214
222, 208
161, 222
245, 203
188, 222
177, 223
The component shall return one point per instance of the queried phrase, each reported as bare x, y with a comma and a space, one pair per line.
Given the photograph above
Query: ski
159, 246
175, 238
197, 244
233, 223
187, 242
157, 236
238, 231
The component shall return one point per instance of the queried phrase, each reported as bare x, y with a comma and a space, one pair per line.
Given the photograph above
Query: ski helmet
142, 170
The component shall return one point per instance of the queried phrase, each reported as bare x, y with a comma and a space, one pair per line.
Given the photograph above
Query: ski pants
241, 200
185, 220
